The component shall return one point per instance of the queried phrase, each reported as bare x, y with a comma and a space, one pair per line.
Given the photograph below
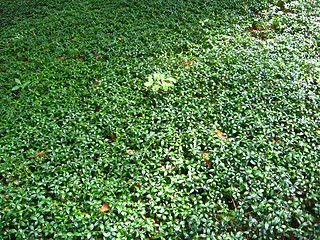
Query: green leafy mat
89, 148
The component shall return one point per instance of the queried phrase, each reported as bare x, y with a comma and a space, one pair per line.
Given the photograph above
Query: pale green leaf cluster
159, 81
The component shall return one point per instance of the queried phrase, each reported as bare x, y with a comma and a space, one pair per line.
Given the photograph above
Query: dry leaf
104, 207
276, 140
221, 135
127, 183
205, 158
255, 27
130, 151
136, 183
111, 137
77, 56
37, 154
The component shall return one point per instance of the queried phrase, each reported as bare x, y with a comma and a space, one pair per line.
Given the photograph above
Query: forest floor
159, 119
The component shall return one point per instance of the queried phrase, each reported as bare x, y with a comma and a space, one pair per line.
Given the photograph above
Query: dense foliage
89, 150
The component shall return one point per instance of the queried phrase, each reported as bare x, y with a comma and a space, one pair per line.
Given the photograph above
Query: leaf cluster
159, 81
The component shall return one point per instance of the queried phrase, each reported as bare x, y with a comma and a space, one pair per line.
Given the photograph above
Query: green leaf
148, 84
158, 77
156, 88
166, 85
171, 79
16, 87
25, 84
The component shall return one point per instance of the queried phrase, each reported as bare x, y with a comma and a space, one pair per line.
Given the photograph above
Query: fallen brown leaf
205, 158
104, 207
38, 154
221, 135
111, 137
130, 151
136, 183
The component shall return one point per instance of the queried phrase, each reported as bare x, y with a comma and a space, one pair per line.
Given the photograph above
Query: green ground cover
90, 148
